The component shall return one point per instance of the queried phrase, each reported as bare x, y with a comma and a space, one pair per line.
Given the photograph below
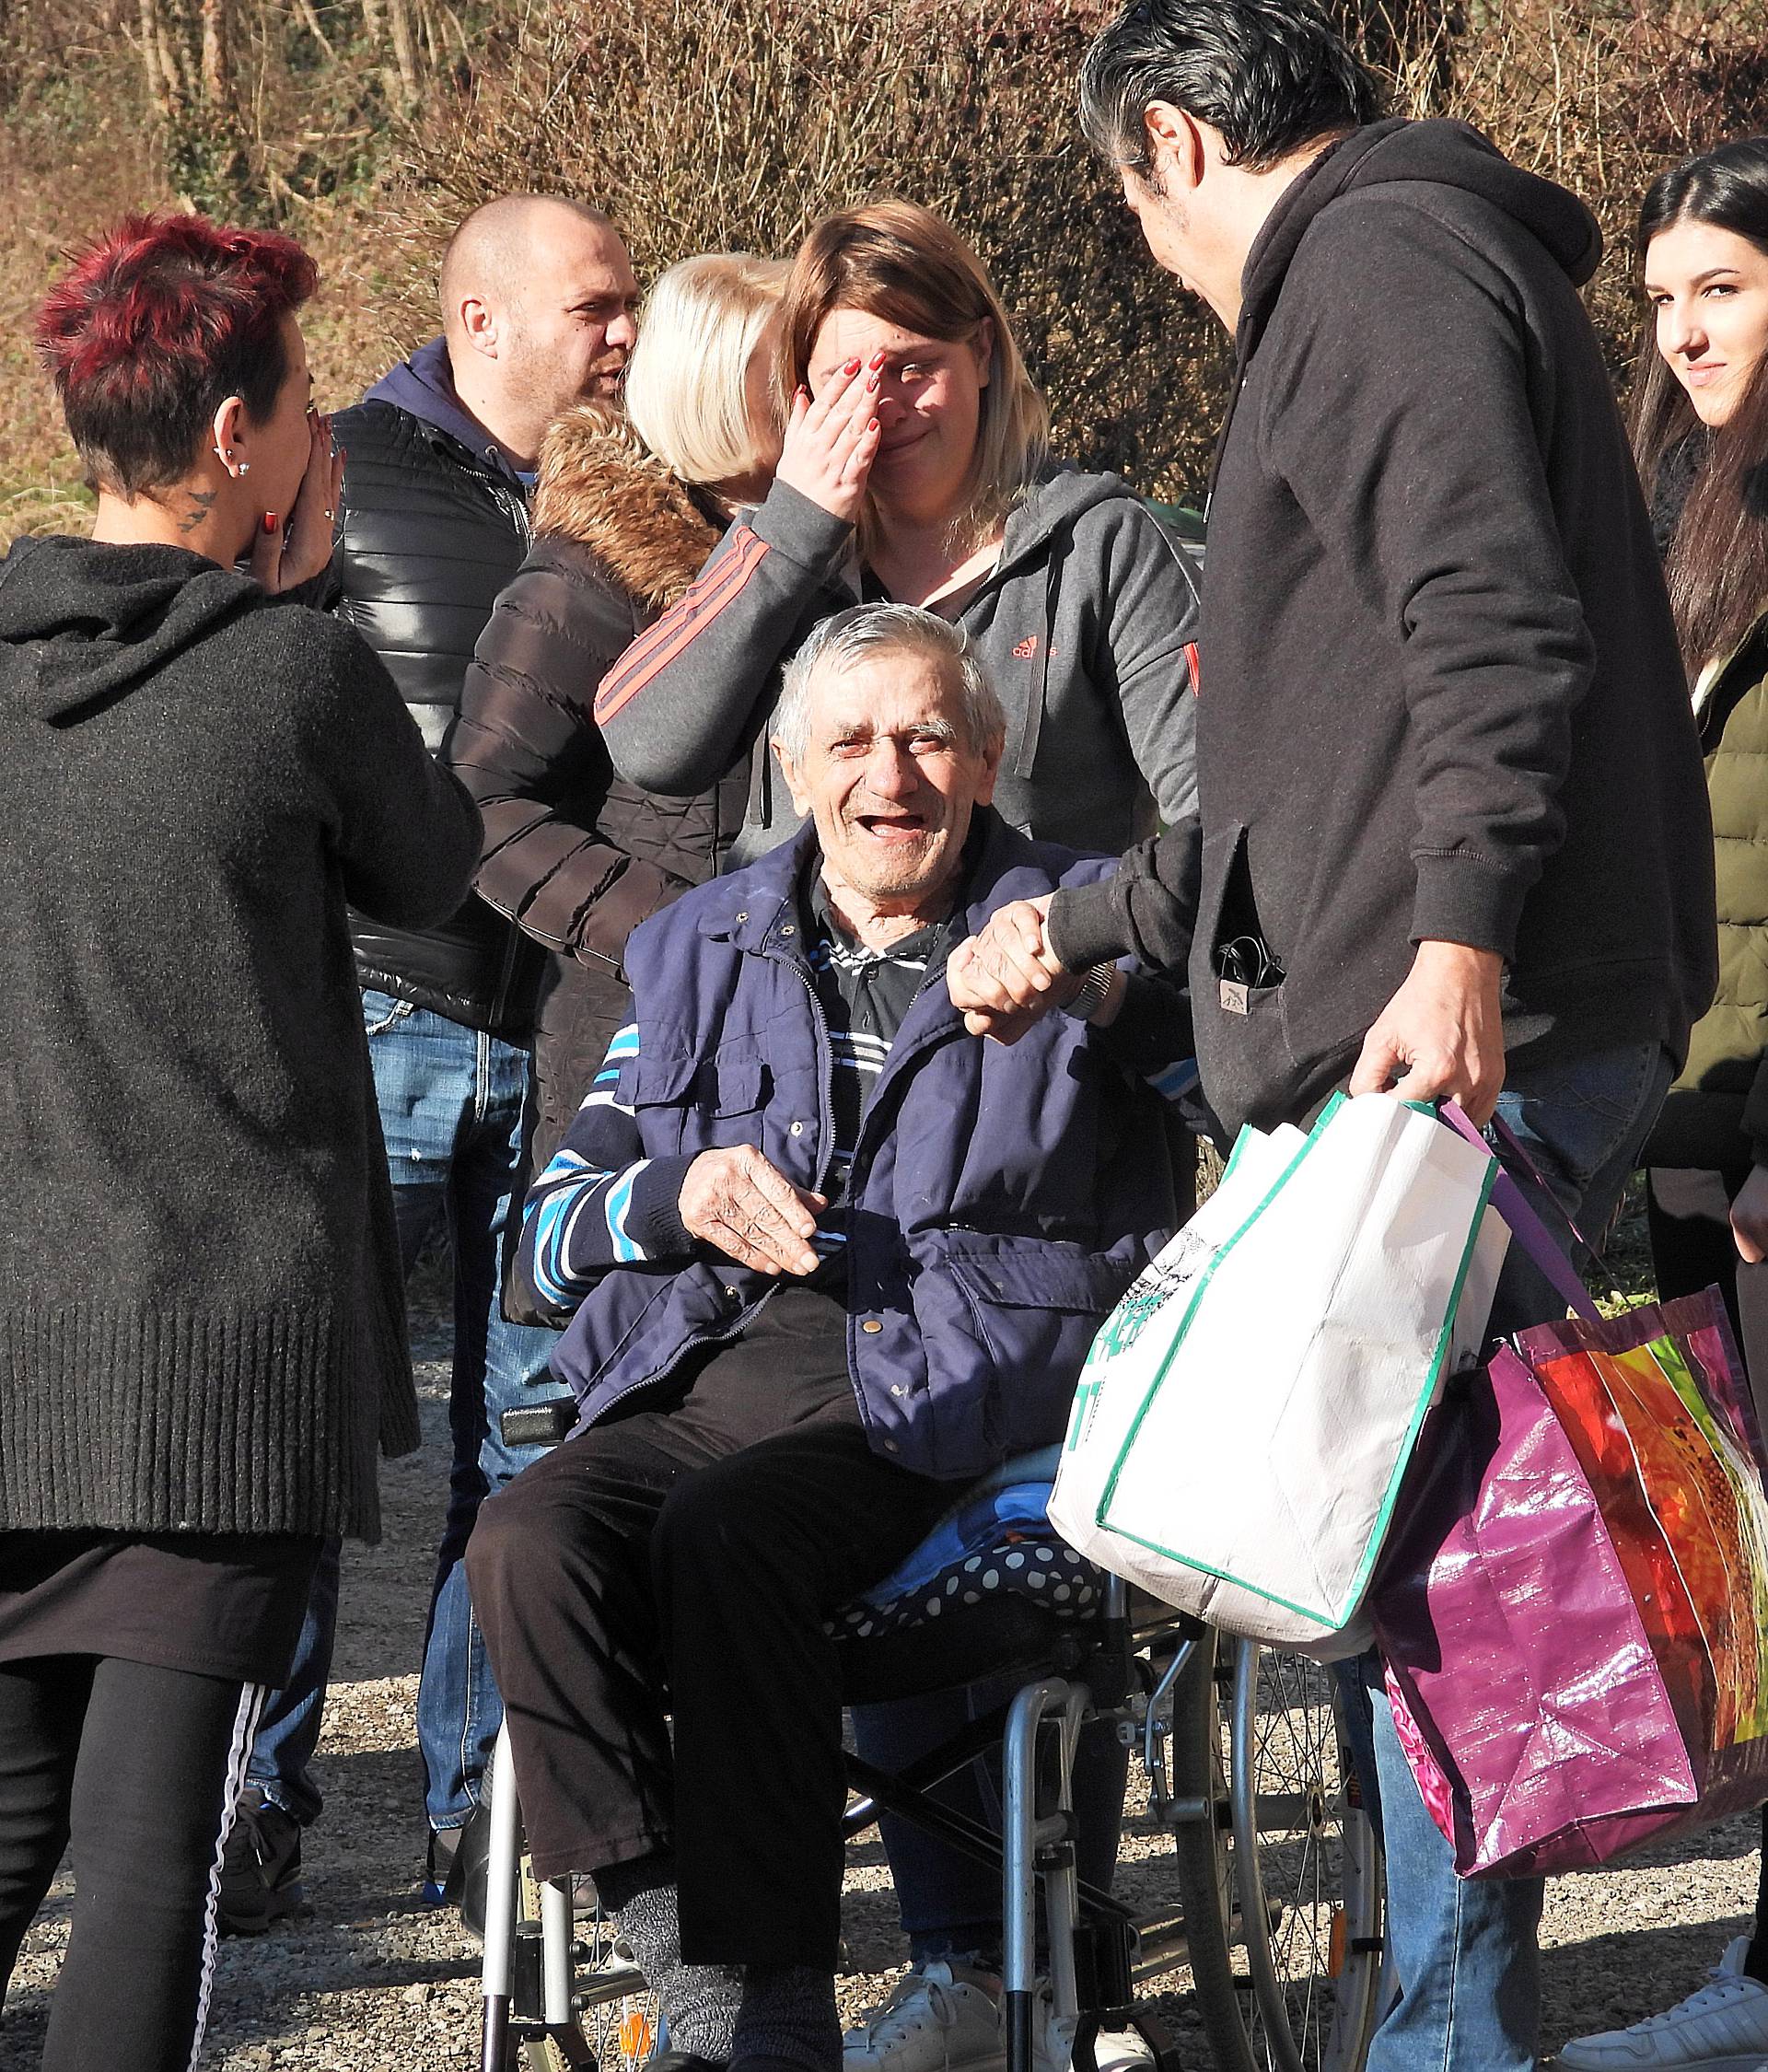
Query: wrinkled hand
298, 544
1441, 1036
735, 1200
1006, 978
1750, 1217
831, 442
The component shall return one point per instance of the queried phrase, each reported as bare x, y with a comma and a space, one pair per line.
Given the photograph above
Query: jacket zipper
500, 995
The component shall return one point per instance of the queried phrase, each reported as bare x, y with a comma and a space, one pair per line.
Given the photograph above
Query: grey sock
788, 2018
699, 2001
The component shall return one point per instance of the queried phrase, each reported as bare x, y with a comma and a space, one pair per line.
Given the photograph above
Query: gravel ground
376, 1979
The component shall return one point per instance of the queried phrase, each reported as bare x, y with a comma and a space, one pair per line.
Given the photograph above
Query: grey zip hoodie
1086, 630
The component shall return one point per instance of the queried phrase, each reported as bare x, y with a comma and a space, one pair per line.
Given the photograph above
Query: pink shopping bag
1574, 1600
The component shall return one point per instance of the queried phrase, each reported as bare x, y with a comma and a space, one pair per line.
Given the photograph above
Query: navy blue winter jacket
1000, 1200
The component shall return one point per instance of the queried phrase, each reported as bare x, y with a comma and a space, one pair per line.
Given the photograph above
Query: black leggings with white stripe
139, 1768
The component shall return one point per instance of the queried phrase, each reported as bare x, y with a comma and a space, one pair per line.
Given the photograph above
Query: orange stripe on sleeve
680, 626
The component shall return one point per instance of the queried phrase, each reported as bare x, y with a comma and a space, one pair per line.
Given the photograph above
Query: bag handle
1519, 1213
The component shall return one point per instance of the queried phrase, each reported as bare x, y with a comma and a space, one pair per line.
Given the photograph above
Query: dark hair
154, 326
1272, 75
1718, 558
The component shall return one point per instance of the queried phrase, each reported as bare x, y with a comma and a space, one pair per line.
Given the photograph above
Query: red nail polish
878, 357
872, 385
270, 521
852, 367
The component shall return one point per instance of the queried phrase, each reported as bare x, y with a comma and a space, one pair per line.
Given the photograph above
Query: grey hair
856, 635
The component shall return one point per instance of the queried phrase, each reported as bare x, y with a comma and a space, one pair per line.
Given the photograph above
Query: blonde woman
914, 468
625, 513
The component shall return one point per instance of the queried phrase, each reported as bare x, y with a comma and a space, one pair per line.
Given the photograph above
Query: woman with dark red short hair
201, 1339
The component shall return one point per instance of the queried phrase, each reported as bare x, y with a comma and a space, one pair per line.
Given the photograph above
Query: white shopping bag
1247, 1411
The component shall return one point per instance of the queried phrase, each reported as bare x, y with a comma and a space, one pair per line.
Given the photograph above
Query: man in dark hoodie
537, 300
1451, 836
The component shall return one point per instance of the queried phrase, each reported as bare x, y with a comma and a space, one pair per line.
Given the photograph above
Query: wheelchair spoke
1312, 1916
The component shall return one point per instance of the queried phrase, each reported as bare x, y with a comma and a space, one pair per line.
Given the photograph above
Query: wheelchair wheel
1307, 1867
1203, 1840
1278, 1866
615, 2013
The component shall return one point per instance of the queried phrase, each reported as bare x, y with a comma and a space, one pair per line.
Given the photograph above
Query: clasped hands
1440, 1037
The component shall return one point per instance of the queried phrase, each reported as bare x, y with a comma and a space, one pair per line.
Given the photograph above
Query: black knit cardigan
202, 1322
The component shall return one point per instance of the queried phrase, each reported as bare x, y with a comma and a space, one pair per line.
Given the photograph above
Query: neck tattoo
201, 500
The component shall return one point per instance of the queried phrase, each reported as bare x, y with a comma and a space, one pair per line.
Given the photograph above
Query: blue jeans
1465, 1951
450, 1100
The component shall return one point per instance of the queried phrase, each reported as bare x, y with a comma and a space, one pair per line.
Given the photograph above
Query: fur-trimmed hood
598, 487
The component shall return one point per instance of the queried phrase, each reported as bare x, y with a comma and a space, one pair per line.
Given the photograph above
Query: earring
226, 458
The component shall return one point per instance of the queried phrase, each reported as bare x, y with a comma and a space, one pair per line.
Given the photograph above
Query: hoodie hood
82, 623
1440, 154
424, 385
1055, 500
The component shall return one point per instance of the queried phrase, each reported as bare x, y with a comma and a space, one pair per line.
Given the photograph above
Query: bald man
538, 296
537, 300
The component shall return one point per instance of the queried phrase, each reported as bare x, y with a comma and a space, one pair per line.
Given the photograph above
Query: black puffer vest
430, 533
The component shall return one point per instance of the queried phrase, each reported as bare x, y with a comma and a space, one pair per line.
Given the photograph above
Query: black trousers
1688, 1214
140, 1767
683, 1560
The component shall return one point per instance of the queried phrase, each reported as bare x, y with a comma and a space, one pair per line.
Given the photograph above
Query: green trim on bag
1203, 1280
1240, 1143
1332, 1620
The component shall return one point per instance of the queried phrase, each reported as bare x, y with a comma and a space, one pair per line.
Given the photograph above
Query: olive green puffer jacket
1717, 1115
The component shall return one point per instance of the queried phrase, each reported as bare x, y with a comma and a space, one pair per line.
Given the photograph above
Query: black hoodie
1441, 694
201, 1323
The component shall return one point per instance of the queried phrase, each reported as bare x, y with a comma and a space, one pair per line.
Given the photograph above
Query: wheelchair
1276, 1869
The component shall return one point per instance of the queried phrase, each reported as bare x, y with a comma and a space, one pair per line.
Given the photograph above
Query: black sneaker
260, 1873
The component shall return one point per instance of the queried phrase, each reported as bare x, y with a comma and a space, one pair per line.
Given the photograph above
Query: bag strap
1519, 1213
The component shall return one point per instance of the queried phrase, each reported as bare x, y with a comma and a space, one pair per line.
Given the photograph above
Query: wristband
1095, 988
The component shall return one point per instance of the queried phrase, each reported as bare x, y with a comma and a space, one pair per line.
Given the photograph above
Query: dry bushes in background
702, 125
369, 126
709, 125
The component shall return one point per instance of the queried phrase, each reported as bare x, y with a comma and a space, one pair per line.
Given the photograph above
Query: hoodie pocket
1247, 972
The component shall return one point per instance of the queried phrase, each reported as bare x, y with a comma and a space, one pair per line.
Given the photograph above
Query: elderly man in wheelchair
835, 1260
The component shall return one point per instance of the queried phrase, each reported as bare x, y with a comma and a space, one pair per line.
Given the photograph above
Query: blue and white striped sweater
585, 1211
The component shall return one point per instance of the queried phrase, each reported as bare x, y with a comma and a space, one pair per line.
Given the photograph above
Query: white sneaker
938, 2019
1719, 2028
1052, 2042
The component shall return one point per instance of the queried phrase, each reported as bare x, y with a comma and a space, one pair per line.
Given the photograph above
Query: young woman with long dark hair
1701, 433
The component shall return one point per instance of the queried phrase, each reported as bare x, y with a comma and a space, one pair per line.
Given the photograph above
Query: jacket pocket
1038, 1273
702, 1102
1006, 1323
1246, 969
